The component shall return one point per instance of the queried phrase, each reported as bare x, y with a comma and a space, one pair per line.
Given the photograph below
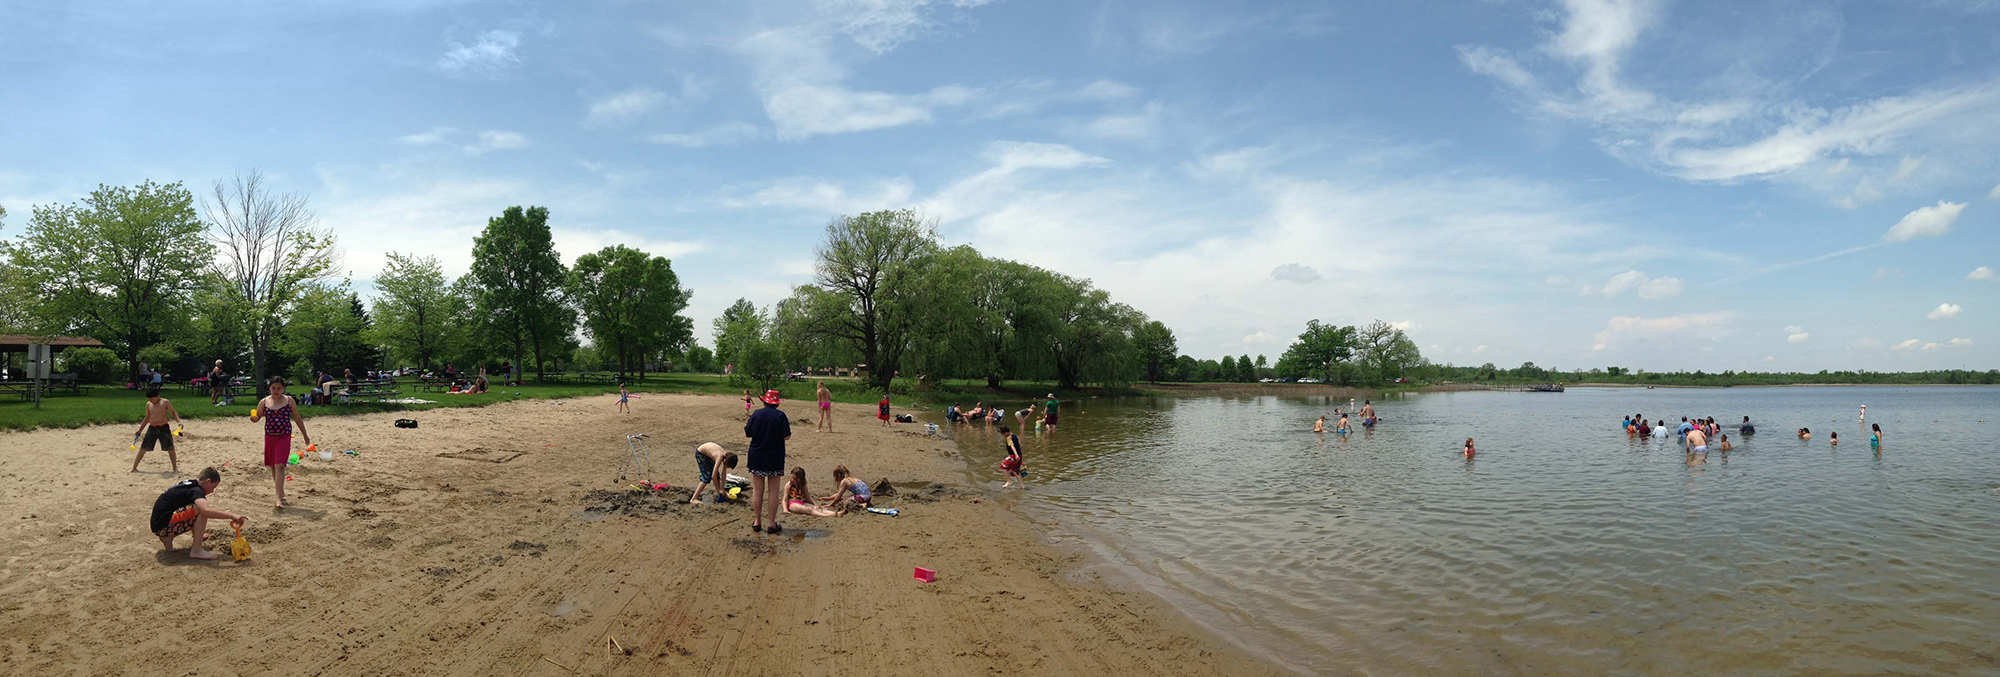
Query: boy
184, 508
158, 412
707, 458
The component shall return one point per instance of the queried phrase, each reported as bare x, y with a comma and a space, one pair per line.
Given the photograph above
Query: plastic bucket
326, 455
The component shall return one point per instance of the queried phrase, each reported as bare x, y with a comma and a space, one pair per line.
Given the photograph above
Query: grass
106, 404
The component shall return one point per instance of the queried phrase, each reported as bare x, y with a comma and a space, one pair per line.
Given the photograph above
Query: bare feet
198, 553
694, 501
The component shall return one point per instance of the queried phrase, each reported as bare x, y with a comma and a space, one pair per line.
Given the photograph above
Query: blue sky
1578, 183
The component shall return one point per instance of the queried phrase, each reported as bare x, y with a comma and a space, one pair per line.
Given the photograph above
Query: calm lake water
1566, 547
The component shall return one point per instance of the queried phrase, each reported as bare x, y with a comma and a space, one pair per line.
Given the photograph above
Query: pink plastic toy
926, 575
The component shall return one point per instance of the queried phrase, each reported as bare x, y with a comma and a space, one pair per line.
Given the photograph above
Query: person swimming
1342, 427
1875, 438
1833, 438
1319, 426
1469, 451
1746, 429
1805, 434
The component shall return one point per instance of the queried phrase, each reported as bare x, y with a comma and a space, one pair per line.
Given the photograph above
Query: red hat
771, 397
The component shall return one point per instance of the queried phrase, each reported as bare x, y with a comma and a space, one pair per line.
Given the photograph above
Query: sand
500, 540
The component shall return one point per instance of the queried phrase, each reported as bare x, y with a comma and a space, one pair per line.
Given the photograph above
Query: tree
1245, 371
323, 332
519, 279
1090, 337
121, 265
367, 355
1319, 350
1227, 370
1387, 350
413, 313
1156, 349
631, 302
738, 324
272, 250
866, 274
700, 360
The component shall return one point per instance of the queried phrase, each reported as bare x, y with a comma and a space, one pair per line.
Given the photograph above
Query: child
1722, 443
747, 399
1833, 439
278, 412
1805, 434
882, 410
707, 458
1013, 464
1342, 428
624, 396
847, 485
825, 408
799, 499
154, 426
1469, 451
1021, 417
1319, 426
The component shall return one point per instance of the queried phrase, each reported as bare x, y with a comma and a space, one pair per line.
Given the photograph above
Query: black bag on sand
406, 423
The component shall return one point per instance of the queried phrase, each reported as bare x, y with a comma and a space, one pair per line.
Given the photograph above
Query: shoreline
486, 542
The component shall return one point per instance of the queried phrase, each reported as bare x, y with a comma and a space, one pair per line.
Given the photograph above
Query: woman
1875, 438
278, 412
882, 410
825, 408
799, 500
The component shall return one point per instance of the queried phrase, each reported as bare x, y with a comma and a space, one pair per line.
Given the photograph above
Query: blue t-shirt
767, 430
1685, 427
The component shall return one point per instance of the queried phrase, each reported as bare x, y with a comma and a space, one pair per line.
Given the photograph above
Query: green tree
367, 354
1227, 370
519, 281
1387, 350
1320, 350
700, 360
1245, 371
121, 265
272, 250
323, 331
740, 323
631, 303
1090, 338
1156, 347
867, 274
413, 313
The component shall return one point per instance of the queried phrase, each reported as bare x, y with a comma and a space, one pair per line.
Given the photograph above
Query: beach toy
239, 549
326, 455
135, 442
253, 412
293, 459
735, 492
892, 512
349, 452
177, 431
926, 575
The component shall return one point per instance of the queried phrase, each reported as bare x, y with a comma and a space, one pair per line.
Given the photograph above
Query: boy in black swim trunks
159, 412
184, 508
706, 458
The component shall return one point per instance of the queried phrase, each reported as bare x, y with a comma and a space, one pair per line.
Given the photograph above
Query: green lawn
105, 404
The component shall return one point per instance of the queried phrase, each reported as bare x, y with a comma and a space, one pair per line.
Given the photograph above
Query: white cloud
494, 139
1930, 346
1406, 326
1651, 288
1909, 345
490, 54
1137, 126
1770, 358
881, 25
1961, 343
1794, 329
827, 197
726, 134
1681, 328
1980, 273
1944, 311
1295, 272
1009, 156
624, 106
1260, 337
1994, 194
1888, 274
433, 137
1868, 343
1907, 167
1797, 337
800, 111
1557, 281
1925, 222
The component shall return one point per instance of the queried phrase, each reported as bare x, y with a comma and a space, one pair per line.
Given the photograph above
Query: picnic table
605, 378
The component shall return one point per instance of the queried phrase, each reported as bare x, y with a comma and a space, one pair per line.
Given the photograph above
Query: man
159, 412
1685, 427
184, 508
1697, 443
218, 383
707, 458
1049, 419
1368, 413
768, 429
1746, 429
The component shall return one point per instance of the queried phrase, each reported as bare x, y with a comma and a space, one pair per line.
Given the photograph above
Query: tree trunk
993, 381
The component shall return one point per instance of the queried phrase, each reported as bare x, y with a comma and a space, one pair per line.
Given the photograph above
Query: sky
1663, 185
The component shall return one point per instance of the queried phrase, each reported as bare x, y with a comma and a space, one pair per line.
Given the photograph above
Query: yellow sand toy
239, 549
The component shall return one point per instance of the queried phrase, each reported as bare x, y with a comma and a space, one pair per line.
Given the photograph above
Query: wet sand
500, 540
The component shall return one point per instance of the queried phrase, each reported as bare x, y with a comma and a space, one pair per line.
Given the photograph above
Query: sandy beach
500, 540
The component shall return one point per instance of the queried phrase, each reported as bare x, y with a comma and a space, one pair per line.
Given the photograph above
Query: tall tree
413, 313
738, 324
631, 303
520, 281
1091, 337
368, 355
272, 250
121, 264
1156, 347
1386, 349
1245, 371
1320, 350
868, 271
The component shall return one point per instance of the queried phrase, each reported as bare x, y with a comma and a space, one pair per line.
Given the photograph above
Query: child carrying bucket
278, 412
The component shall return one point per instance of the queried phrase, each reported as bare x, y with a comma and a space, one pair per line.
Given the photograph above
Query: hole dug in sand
483, 454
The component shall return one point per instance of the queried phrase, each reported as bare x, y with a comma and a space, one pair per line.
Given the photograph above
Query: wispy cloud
490, 54
494, 139
1980, 274
1796, 335
1925, 222
726, 134
1689, 327
624, 106
1295, 272
1651, 288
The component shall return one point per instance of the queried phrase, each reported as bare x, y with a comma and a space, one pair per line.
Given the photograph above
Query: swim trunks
277, 449
181, 523
1703, 449
160, 434
706, 465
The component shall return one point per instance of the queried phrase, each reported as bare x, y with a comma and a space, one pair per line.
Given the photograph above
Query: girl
1875, 438
624, 396
1833, 439
278, 412
1012, 464
825, 408
1469, 451
845, 485
1805, 434
882, 410
747, 399
799, 499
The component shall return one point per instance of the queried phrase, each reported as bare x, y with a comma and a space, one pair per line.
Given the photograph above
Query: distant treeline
1529, 373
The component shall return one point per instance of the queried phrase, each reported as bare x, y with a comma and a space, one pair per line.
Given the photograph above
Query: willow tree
867, 277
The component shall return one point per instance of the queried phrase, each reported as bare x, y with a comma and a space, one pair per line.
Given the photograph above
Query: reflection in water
1564, 546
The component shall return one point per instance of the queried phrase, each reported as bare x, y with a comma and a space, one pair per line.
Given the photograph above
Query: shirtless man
159, 411
1319, 426
1697, 442
1367, 413
1342, 427
707, 458
184, 508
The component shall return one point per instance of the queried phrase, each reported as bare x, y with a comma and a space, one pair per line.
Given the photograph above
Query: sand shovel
239, 549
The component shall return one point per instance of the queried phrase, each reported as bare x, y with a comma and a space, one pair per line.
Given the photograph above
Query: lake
1565, 546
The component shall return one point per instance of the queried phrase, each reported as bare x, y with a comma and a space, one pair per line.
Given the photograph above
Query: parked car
1402, 380
1265, 380
1308, 380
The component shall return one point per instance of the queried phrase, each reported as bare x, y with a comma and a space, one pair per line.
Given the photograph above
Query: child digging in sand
799, 499
712, 464
278, 412
183, 508
846, 485
154, 427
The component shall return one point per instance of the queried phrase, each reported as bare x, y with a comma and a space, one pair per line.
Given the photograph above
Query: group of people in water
1367, 414
1014, 464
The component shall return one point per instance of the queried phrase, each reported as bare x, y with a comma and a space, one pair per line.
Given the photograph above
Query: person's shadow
180, 558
